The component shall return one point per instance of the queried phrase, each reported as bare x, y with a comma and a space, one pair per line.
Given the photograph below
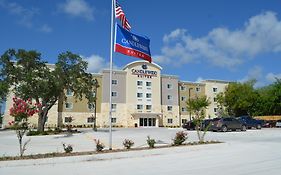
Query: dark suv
250, 122
226, 124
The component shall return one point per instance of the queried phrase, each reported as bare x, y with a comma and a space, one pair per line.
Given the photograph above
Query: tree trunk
41, 122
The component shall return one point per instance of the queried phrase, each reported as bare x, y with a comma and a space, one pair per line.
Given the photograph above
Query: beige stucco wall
209, 85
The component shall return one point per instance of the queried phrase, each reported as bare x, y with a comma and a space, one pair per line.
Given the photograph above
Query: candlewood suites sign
144, 73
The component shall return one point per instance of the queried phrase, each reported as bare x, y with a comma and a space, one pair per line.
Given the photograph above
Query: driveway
252, 152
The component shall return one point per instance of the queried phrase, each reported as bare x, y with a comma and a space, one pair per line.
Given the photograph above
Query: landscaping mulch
57, 154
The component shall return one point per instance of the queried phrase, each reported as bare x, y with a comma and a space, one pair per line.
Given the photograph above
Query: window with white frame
114, 94
215, 109
148, 95
139, 107
139, 83
68, 105
170, 97
215, 99
183, 88
69, 92
183, 109
148, 107
215, 89
183, 98
148, 84
183, 121
170, 120
113, 106
114, 82
139, 95
198, 89
91, 106
90, 119
169, 108
68, 119
169, 86
113, 120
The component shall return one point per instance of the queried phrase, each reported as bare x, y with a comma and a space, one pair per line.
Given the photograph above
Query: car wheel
258, 126
224, 129
244, 128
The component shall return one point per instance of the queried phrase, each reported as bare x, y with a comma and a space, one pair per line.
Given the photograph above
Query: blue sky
194, 39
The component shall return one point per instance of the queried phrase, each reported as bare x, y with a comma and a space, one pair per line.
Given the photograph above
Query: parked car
226, 124
206, 123
250, 122
269, 123
278, 123
190, 125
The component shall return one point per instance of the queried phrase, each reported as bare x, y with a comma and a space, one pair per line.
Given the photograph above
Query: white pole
110, 73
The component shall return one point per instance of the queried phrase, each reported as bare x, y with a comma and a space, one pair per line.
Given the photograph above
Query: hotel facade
141, 97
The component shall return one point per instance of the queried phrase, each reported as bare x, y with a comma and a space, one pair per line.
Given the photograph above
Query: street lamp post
189, 90
95, 104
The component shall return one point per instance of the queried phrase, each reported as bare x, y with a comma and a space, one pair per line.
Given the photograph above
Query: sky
234, 40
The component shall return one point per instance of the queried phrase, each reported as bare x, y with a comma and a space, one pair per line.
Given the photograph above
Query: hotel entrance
147, 122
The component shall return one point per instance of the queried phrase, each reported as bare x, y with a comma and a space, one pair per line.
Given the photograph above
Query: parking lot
250, 152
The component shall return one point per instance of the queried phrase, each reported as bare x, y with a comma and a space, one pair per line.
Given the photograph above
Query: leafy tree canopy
25, 74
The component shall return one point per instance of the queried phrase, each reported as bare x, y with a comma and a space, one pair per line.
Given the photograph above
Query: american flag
121, 15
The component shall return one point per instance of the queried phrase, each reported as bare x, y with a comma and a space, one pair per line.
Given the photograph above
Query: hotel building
141, 97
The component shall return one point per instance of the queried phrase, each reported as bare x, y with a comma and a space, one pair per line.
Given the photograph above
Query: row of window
198, 89
69, 105
89, 120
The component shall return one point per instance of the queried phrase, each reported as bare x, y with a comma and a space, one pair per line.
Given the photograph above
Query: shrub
150, 142
99, 145
68, 148
180, 138
128, 143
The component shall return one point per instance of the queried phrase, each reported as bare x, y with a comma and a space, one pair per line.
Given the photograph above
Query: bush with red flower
21, 110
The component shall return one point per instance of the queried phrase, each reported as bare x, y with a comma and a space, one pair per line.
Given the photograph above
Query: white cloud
97, 63
78, 8
25, 15
255, 72
46, 28
271, 77
223, 47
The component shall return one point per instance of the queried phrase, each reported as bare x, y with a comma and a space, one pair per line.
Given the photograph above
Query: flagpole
110, 73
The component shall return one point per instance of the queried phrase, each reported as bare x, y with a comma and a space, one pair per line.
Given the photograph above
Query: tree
25, 74
96, 86
197, 107
239, 98
21, 111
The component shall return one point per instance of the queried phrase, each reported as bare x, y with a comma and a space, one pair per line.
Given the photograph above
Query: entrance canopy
150, 115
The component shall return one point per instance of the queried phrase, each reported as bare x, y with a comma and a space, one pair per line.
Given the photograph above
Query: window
183, 109
198, 89
183, 121
148, 95
114, 94
114, 82
69, 92
148, 84
139, 83
183, 98
215, 109
148, 107
169, 86
113, 120
68, 105
170, 97
139, 95
114, 107
170, 120
169, 108
215, 89
67, 119
183, 88
139, 107
91, 106
215, 99
90, 119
